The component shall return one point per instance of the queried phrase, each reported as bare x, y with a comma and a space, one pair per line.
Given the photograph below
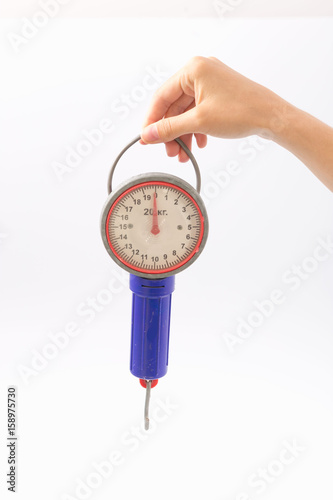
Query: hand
206, 97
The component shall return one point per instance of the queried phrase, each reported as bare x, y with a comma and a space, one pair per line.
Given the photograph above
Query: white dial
154, 227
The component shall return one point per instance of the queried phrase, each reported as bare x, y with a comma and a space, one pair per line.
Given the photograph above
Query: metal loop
181, 144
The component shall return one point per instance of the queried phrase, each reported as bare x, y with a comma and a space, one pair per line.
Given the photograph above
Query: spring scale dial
155, 225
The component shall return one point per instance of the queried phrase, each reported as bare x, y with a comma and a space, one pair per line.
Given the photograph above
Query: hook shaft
148, 388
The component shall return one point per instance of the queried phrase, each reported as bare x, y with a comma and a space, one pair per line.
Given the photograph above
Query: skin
206, 97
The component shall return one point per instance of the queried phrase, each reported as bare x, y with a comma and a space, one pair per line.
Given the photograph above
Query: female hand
206, 97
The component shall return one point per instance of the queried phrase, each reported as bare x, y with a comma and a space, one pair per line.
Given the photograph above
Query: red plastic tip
144, 383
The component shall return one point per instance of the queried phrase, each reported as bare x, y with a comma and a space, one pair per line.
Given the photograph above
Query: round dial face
155, 227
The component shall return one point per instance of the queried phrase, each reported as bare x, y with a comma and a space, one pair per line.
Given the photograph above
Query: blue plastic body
151, 308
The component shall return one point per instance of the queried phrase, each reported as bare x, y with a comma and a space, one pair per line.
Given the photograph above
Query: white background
233, 410
179, 8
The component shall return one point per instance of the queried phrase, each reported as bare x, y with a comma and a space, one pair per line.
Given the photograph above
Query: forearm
305, 136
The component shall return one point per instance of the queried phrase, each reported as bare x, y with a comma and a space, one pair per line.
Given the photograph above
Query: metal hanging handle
181, 144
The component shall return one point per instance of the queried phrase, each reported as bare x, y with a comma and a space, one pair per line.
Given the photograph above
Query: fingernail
150, 134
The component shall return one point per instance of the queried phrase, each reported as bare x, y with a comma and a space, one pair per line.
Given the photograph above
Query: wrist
279, 115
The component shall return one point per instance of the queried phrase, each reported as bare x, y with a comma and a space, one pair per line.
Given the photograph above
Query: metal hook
148, 388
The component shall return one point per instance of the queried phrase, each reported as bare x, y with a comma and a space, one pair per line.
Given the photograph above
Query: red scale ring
157, 271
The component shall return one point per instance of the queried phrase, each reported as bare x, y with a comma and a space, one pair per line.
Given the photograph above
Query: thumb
167, 129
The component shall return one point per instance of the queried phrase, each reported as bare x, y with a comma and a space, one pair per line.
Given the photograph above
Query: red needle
155, 229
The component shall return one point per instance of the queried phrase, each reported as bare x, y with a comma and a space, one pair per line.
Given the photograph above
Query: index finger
161, 101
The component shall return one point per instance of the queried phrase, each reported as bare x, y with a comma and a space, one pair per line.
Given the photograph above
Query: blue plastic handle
151, 307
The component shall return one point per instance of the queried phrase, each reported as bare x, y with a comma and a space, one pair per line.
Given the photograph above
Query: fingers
172, 147
169, 92
201, 140
179, 106
172, 113
167, 129
171, 127
186, 138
